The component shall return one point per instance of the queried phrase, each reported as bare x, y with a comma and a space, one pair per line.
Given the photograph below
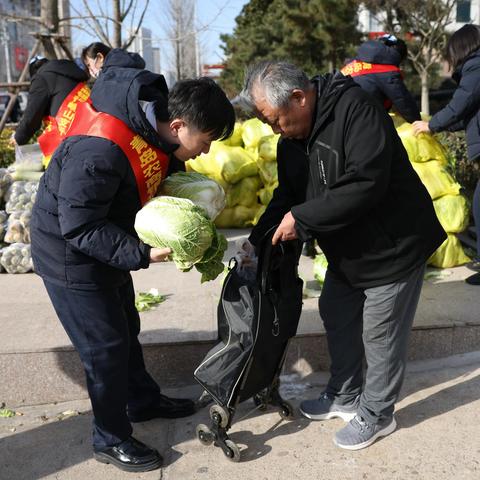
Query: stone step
39, 365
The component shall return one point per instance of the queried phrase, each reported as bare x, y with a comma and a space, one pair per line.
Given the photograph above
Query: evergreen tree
316, 35
247, 43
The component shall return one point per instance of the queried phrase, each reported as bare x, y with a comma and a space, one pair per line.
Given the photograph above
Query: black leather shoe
165, 407
473, 279
131, 455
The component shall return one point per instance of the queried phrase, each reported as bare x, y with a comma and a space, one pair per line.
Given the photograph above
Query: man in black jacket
52, 81
84, 244
345, 180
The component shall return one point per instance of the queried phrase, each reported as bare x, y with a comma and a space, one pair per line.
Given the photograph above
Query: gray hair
277, 81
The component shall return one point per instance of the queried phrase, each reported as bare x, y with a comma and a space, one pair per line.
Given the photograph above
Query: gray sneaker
360, 434
325, 408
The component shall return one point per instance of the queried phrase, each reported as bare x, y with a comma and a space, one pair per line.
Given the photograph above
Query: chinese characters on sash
150, 164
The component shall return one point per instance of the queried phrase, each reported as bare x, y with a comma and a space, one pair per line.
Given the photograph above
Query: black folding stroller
256, 319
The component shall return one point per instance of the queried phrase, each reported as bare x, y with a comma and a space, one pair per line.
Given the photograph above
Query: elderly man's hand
286, 230
420, 127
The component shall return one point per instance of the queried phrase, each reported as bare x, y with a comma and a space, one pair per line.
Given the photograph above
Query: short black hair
461, 44
92, 50
204, 105
35, 64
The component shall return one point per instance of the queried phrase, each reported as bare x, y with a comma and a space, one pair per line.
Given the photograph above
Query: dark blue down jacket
389, 86
463, 110
82, 225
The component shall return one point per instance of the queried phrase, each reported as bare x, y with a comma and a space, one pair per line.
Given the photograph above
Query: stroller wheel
232, 452
286, 411
204, 434
219, 415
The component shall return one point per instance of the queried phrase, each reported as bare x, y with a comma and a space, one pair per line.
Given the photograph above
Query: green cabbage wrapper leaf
147, 300
211, 265
176, 223
320, 265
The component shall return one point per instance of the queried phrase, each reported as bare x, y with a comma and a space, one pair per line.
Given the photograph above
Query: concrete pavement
39, 365
438, 437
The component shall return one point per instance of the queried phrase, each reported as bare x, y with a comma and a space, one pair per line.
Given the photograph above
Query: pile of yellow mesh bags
245, 166
429, 161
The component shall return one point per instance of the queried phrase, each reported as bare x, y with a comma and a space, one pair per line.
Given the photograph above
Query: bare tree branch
21, 18
139, 24
97, 27
126, 11
427, 21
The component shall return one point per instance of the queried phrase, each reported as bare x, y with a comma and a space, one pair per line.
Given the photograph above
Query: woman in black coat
463, 110
52, 81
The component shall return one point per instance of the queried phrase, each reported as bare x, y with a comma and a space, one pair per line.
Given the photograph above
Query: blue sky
207, 16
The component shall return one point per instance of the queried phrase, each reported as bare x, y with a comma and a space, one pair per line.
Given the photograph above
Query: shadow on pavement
47, 449
253, 443
256, 443
440, 402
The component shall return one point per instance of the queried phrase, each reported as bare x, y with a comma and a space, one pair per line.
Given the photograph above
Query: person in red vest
119, 146
52, 82
376, 68
55, 83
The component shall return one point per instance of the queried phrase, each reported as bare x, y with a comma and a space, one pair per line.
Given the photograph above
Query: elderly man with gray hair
346, 181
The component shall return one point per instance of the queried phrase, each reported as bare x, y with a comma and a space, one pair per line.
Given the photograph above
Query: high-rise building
157, 66
143, 46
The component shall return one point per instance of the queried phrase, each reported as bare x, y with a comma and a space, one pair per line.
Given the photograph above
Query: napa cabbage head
201, 190
176, 223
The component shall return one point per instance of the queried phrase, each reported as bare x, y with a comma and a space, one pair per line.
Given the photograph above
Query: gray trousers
372, 323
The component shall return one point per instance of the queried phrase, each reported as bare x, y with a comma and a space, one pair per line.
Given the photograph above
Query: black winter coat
463, 110
50, 86
352, 187
82, 226
388, 86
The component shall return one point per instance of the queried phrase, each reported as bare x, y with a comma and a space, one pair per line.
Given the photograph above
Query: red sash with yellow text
149, 164
356, 68
56, 128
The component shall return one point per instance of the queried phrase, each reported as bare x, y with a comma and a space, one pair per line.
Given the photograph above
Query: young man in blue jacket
84, 243
346, 181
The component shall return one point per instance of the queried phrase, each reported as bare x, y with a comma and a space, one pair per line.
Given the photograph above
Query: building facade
465, 11
15, 39
142, 44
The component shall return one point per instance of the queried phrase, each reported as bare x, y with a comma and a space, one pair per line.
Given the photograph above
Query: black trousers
103, 326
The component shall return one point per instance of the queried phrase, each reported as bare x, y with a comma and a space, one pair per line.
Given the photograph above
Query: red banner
21, 57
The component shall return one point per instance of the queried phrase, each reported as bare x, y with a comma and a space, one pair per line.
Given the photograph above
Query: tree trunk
178, 58
425, 103
49, 17
49, 14
117, 24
